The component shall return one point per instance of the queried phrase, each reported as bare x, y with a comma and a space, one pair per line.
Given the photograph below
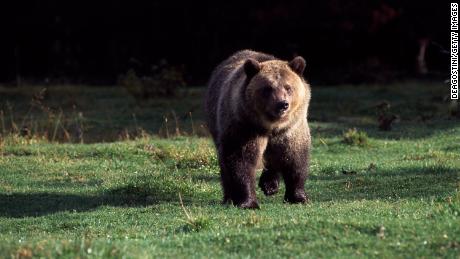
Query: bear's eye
266, 91
288, 89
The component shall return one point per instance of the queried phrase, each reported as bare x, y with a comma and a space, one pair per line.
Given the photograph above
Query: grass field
117, 195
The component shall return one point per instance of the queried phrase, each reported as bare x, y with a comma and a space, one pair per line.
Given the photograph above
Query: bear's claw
297, 198
250, 204
269, 188
269, 185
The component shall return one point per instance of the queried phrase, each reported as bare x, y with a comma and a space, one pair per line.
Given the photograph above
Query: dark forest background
343, 41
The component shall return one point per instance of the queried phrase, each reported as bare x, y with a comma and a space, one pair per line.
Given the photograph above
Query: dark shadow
399, 172
400, 183
452, 148
18, 205
19, 152
67, 183
402, 130
421, 109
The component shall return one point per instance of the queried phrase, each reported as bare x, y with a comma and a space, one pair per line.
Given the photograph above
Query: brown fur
257, 111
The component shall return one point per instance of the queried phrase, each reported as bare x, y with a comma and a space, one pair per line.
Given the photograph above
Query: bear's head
275, 89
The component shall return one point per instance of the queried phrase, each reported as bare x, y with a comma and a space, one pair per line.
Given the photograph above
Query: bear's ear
298, 65
251, 67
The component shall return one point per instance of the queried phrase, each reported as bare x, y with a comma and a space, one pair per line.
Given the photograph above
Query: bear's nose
282, 106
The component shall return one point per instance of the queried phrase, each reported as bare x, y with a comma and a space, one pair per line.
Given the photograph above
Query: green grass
397, 196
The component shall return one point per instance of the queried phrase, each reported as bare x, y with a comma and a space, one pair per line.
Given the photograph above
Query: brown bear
256, 109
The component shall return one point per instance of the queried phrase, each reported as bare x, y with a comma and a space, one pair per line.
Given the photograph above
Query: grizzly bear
256, 109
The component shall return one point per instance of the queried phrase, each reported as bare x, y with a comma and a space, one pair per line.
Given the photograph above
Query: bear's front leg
238, 159
294, 179
295, 171
290, 156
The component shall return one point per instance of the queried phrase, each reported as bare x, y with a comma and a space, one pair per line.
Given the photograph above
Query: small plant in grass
197, 224
194, 223
355, 137
253, 220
